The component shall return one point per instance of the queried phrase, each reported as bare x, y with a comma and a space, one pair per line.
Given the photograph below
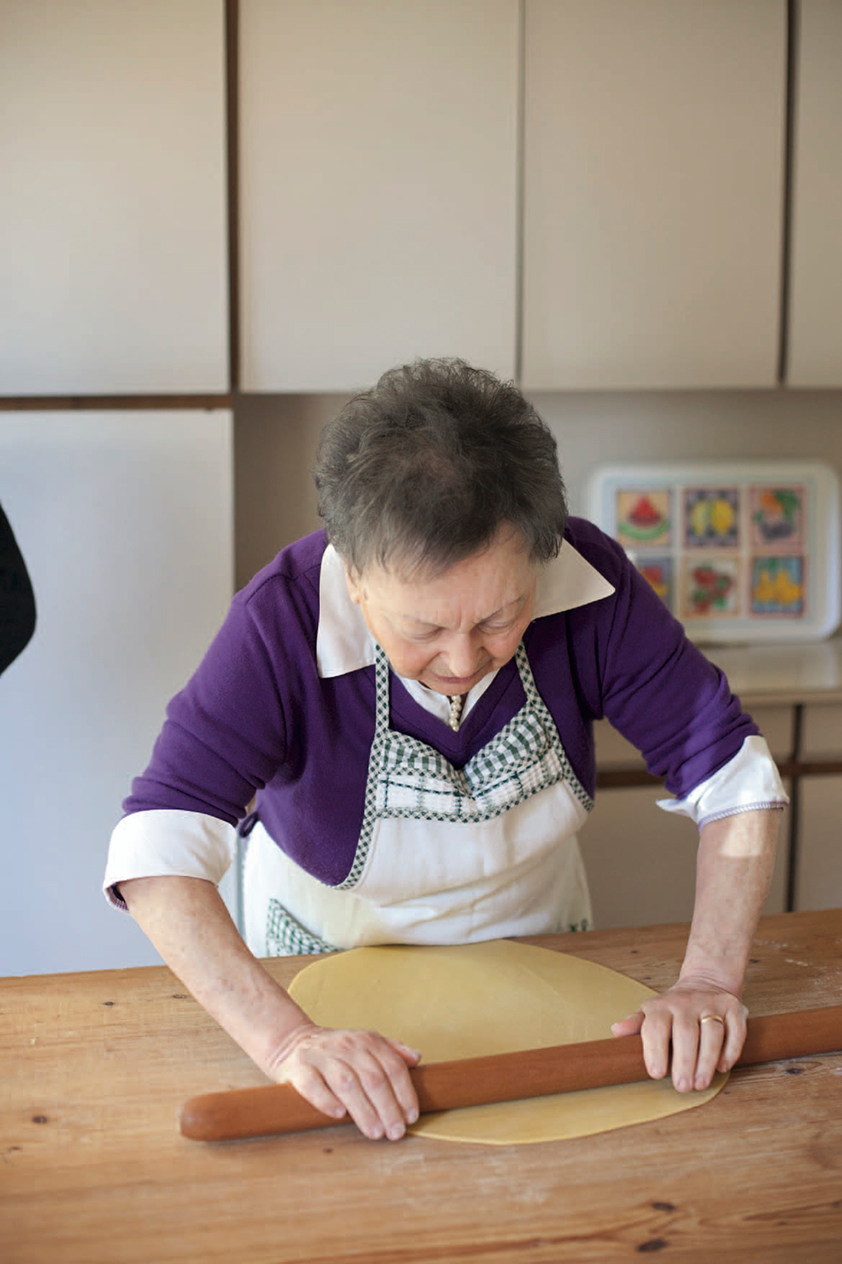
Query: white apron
444, 856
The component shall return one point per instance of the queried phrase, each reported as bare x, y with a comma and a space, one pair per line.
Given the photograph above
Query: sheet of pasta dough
494, 997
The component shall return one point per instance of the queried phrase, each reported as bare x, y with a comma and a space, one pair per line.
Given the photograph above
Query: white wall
124, 520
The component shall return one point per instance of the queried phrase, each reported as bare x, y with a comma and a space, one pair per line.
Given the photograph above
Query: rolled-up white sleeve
747, 783
167, 841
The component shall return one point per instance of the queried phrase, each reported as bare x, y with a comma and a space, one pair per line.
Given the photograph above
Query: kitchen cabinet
815, 322
640, 860
654, 142
819, 868
586, 192
822, 732
113, 204
818, 882
378, 187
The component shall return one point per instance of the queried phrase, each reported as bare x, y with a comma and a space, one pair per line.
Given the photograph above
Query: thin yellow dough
496, 997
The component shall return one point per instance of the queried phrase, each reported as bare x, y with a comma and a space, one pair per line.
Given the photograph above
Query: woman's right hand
358, 1073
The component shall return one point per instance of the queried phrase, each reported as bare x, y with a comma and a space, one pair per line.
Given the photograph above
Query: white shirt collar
344, 643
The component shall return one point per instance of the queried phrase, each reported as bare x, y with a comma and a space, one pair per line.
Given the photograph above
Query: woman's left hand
705, 1025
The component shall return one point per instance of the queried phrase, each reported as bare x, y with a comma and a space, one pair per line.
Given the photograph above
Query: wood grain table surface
93, 1069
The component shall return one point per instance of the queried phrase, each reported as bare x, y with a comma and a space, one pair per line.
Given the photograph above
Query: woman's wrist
260, 1016
190, 926
708, 964
713, 980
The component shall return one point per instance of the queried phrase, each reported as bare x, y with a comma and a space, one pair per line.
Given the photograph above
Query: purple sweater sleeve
639, 670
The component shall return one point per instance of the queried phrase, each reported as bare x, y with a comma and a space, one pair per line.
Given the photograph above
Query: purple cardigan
256, 716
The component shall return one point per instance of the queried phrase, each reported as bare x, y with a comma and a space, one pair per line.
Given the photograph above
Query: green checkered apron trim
407, 778
285, 937
445, 855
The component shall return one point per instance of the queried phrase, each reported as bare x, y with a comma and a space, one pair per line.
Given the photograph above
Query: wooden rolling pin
502, 1077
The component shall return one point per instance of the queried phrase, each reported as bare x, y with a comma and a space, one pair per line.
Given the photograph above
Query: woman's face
451, 629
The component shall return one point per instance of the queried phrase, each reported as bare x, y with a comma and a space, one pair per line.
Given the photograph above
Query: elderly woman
408, 698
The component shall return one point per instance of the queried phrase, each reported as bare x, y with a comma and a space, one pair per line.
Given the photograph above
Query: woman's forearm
359, 1073
734, 867
699, 1024
187, 921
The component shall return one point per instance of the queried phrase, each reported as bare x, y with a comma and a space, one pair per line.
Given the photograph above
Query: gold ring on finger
711, 1018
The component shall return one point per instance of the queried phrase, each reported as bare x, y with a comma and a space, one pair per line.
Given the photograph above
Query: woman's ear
352, 580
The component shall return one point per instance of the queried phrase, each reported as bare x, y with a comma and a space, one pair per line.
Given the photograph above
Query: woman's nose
462, 657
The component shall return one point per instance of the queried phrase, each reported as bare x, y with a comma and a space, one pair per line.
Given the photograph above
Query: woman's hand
351, 1072
705, 1025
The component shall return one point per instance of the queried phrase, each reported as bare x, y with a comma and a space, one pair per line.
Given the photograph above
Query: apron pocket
285, 937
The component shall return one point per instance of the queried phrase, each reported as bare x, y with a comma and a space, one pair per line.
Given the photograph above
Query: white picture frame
740, 551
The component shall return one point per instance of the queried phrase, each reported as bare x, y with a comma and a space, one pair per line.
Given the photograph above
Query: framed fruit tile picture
739, 551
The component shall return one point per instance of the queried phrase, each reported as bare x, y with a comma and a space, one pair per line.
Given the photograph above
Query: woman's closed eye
498, 625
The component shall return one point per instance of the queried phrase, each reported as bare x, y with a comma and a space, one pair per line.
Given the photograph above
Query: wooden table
95, 1066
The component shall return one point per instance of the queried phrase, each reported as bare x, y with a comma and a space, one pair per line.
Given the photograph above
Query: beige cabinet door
113, 203
819, 864
815, 319
653, 192
640, 860
378, 187
819, 870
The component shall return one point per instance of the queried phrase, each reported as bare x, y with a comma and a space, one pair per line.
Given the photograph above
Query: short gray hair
424, 469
